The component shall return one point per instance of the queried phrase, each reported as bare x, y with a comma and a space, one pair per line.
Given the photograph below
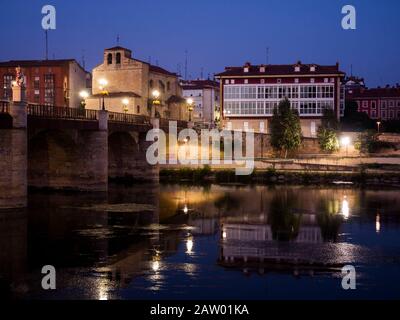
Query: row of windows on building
296, 80
49, 88
279, 92
383, 104
266, 108
385, 114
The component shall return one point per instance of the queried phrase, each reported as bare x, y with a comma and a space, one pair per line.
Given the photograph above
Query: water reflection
174, 241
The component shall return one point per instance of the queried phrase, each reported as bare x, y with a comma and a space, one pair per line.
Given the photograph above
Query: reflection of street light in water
189, 245
155, 265
345, 208
378, 223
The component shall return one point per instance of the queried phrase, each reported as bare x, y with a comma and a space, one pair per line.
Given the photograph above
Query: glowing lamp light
224, 235
84, 94
189, 101
345, 141
185, 209
103, 82
156, 94
125, 101
378, 223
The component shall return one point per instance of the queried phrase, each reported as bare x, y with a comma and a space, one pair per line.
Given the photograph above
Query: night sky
216, 33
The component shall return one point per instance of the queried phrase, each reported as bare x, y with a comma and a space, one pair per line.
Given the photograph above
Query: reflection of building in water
202, 225
13, 251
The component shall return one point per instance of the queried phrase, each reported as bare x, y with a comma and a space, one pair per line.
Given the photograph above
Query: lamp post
378, 123
345, 141
125, 103
155, 102
84, 95
189, 102
103, 84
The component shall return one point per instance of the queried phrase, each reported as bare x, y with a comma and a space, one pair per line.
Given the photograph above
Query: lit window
296, 69
232, 81
246, 81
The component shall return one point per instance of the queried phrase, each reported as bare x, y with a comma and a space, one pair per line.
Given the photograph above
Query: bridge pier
13, 151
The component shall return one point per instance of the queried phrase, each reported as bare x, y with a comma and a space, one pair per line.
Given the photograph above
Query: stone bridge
70, 149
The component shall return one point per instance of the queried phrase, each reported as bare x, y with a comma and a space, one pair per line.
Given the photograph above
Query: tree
327, 132
285, 128
354, 120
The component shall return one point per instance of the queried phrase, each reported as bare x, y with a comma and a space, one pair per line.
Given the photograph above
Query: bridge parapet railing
4, 106
55, 112
180, 123
128, 118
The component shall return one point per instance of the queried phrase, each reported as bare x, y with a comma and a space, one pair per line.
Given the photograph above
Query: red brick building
251, 92
51, 82
378, 103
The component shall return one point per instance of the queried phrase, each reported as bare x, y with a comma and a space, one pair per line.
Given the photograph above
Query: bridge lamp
189, 102
84, 95
378, 123
102, 85
155, 101
125, 103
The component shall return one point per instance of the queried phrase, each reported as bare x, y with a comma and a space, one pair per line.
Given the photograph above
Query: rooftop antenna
47, 44
351, 70
178, 69
201, 73
117, 39
186, 64
267, 55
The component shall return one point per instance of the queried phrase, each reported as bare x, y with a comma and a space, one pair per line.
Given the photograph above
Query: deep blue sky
216, 33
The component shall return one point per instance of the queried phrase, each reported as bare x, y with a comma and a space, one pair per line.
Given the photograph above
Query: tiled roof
199, 84
391, 92
161, 70
34, 63
118, 48
280, 69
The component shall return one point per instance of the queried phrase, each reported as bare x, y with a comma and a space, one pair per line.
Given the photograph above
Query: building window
373, 105
383, 114
373, 114
232, 81
246, 81
312, 68
326, 80
151, 84
262, 81
138, 109
162, 86
118, 58
246, 69
297, 69
365, 104
168, 86
312, 80
332, 80
49, 89
36, 87
226, 81
296, 80
109, 58
279, 80
7, 86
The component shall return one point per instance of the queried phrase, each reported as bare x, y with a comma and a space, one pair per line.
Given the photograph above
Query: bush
327, 139
368, 143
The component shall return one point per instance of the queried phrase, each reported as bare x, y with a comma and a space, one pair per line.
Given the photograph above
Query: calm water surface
216, 242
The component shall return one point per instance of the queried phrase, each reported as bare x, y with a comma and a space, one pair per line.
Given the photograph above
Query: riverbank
363, 176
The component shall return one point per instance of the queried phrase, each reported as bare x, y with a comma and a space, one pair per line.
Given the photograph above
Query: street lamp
378, 123
155, 101
84, 95
189, 102
125, 103
345, 141
102, 85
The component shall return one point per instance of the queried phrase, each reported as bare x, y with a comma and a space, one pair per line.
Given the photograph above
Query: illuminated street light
189, 102
345, 142
84, 95
378, 123
185, 209
155, 102
102, 85
125, 103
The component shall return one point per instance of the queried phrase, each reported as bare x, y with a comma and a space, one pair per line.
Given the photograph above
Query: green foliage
327, 132
368, 142
285, 128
